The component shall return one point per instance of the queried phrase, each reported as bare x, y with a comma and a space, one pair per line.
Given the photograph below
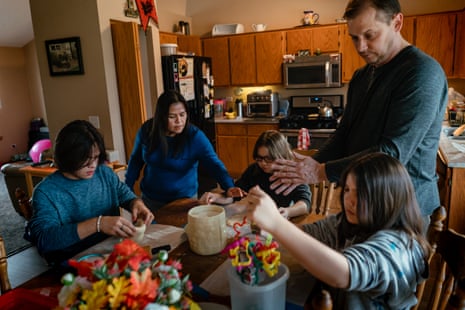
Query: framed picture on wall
64, 56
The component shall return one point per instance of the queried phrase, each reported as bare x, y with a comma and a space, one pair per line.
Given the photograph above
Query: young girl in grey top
373, 254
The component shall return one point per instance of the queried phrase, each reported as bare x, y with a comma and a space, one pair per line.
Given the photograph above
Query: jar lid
169, 45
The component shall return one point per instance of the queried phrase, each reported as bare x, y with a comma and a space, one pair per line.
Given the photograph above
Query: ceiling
15, 23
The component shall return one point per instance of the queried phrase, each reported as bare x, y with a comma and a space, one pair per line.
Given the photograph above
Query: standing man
395, 105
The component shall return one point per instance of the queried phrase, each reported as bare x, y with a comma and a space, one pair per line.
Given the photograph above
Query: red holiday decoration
146, 10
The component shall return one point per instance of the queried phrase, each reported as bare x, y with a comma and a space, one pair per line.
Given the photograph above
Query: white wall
95, 92
15, 103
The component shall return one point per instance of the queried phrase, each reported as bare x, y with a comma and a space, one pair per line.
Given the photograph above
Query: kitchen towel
304, 139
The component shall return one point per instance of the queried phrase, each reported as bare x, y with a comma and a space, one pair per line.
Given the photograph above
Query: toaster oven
262, 104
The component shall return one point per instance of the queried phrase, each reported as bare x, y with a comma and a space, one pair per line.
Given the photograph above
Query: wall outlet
94, 120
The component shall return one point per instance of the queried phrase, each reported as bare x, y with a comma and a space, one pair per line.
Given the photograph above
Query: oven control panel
307, 102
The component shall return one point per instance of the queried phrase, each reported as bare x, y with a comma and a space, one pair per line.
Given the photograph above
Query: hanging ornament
146, 10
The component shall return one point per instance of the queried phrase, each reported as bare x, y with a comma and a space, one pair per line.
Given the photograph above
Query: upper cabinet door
242, 60
459, 63
297, 40
351, 60
435, 35
408, 29
218, 50
190, 44
269, 48
166, 37
326, 38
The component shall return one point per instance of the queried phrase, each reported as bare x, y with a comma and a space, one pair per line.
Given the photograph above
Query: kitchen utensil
325, 111
310, 17
239, 107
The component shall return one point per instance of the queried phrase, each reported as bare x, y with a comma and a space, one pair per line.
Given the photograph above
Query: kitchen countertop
248, 120
452, 150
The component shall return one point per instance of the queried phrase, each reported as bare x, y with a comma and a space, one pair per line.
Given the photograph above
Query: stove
304, 114
298, 121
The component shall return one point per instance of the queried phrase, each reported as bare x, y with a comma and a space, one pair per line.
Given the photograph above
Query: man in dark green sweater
395, 105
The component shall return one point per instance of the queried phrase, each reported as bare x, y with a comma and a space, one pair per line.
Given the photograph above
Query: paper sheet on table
459, 147
155, 235
298, 286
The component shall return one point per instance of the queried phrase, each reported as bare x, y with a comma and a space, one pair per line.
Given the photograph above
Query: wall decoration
64, 56
147, 10
131, 10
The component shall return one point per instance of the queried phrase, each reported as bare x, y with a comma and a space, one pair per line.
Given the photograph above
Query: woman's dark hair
159, 127
276, 143
74, 143
385, 196
385, 9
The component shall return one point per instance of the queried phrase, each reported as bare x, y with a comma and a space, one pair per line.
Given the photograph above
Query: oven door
318, 137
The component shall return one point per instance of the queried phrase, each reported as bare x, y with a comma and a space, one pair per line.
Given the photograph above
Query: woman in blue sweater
168, 149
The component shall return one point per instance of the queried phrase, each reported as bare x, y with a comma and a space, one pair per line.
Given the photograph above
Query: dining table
199, 267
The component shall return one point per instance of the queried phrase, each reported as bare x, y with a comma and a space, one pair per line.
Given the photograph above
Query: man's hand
288, 174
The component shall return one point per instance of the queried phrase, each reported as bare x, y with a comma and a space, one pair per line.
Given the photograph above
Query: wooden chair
24, 202
445, 289
5, 285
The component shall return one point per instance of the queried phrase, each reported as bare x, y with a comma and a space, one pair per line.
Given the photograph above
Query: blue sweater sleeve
60, 204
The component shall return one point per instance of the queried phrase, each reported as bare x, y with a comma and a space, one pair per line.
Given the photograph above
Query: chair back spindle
5, 285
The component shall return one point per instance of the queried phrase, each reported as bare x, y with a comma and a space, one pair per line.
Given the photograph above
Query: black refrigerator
191, 76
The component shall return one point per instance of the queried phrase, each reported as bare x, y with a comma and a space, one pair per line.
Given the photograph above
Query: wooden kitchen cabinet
190, 44
435, 35
298, 39
231, 147
218, 50
168, 38
351, 60
326, 38
243, 61
186, 44
408, 29
459, 59
235, 143
269, 49
451, 185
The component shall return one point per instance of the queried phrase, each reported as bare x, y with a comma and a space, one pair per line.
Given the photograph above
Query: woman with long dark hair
168, 149
373, 254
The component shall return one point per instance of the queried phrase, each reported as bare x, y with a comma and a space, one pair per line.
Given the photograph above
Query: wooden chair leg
5, 285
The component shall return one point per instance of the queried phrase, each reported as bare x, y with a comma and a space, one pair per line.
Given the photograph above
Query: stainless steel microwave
313, 72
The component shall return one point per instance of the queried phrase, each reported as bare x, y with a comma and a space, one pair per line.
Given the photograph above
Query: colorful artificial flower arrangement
127, 279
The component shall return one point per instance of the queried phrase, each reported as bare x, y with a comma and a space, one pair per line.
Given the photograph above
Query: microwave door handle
327, 73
